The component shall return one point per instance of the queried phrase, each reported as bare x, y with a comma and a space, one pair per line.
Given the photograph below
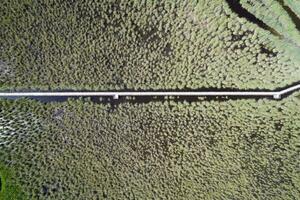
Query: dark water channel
237, 8
139, 99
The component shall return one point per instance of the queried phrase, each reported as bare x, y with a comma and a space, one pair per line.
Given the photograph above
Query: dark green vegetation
9, 188
242, 149
119, 44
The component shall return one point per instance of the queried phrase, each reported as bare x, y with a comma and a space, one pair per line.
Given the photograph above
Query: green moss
10, 190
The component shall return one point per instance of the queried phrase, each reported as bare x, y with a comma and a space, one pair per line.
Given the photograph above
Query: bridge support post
277, 96
116, 96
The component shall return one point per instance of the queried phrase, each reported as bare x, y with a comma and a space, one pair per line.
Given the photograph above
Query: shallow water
139, 99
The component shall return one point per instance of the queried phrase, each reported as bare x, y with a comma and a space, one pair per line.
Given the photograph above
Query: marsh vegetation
238, 149
115, 44
141, 149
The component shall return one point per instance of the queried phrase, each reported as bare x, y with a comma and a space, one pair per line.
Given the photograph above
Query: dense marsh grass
118, 44
229, 149
235, 149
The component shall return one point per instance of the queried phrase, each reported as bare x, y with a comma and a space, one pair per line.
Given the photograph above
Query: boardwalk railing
116, 94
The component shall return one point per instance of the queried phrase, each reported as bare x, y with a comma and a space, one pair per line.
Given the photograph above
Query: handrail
116, 94
290, 89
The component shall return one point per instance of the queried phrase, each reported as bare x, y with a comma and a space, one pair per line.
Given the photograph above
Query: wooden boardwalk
116, 94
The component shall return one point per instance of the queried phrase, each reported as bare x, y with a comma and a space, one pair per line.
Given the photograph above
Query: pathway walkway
116, 94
